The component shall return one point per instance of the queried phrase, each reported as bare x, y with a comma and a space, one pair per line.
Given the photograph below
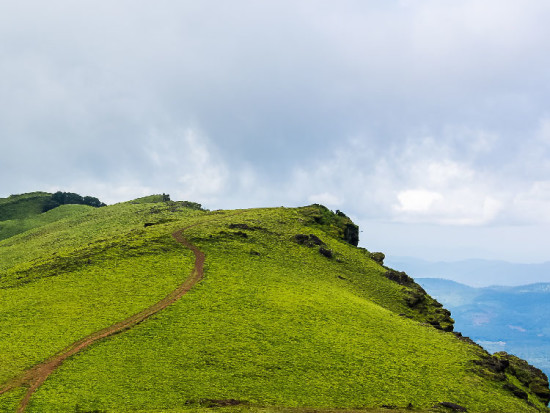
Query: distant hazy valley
511, 319
475, 272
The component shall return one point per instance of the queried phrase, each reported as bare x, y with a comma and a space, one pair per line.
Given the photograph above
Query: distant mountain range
511, 319
474, 272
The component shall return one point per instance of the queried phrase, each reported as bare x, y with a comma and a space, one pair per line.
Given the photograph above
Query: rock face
336, 223
453, 406
400, 278
510, 372
351, 234
531, 377
326, 252
378, 257
308, 240
500, 366
418, 300
312, 241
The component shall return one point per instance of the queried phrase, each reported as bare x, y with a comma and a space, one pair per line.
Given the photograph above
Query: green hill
290, 316
23, 206
19, 213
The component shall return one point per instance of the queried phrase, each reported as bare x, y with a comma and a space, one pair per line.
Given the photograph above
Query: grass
22, 206
12, 227
93, 277
274, 324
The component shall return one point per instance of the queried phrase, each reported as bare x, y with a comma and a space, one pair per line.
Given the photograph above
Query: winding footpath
37, 375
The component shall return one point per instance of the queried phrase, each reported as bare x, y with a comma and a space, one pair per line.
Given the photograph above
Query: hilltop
281, 312
19, 213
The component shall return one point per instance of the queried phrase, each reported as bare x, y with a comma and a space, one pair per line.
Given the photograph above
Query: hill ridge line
37, 375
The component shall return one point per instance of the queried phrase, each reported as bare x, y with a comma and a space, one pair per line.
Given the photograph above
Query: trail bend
37, 375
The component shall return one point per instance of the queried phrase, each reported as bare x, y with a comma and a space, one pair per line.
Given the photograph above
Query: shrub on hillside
64, 198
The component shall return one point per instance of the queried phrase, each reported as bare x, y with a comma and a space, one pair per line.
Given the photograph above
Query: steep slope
513, 319
290, 314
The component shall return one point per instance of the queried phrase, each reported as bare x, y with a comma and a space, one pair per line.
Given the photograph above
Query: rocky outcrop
452, 406
378, 257
428, 310
351, 234
313, 241
336, 223
503, 367
310, 240
531, 377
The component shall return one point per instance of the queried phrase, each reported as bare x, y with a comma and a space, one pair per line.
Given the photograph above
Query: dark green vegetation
290, 316
19, 213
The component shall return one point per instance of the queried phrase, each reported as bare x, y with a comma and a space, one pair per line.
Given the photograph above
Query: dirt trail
35, 376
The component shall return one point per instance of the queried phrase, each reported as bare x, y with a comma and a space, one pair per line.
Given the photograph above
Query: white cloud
326, 199
417, 201
190, 159
447, 104
532, 205
419, 182
543, 132
517, 328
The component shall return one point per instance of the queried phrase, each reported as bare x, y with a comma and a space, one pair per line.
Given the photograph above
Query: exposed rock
493, 367
336, 224
245, 227
531, 377
240, 226
301, 239
435, 324
234, 233
516, 391
415, 298
308, 240
465, 339
453, 406
378, 257
399, 277
326, 252
351, 234
340, 213
315, 240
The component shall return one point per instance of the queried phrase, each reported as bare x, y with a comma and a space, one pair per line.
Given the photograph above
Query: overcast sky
426, 121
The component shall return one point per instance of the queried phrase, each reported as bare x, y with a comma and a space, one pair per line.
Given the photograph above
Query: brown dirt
35, 376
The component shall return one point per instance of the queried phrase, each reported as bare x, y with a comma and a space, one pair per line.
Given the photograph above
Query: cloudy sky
426, 121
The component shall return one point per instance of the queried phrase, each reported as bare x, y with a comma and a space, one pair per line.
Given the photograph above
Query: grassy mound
290, 315
20, 213
23, 206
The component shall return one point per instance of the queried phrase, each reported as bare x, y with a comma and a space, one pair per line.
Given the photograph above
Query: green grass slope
9, 228
20, 213
23, 206
288, 317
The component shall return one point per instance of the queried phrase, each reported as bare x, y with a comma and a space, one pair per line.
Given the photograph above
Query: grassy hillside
23, 206
513, 319
12, 227
288, 316
20, 213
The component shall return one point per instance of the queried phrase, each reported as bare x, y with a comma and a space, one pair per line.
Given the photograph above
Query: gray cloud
397, 111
